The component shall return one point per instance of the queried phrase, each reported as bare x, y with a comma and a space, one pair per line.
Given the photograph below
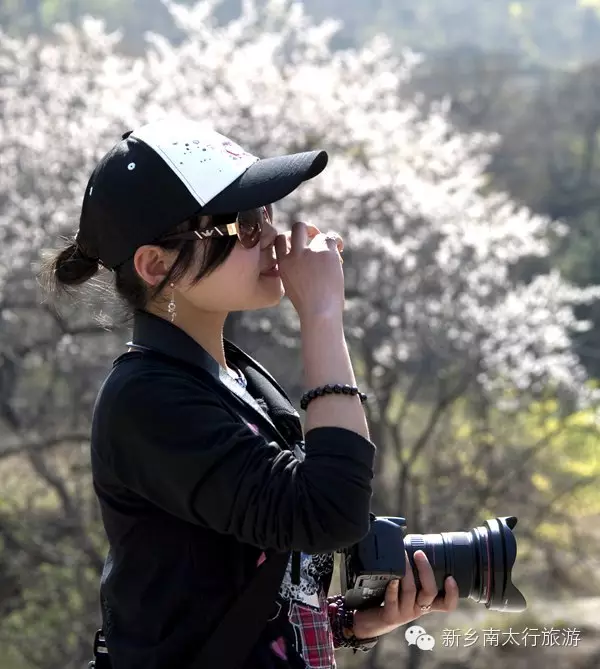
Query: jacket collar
155, 333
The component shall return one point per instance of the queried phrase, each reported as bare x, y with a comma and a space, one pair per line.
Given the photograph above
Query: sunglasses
246, 225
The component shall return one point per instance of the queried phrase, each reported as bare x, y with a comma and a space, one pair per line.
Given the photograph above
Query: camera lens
480, 560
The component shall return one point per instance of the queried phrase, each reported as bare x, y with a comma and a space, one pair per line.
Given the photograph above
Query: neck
205, 328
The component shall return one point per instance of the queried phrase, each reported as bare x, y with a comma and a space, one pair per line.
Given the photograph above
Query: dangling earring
172, 308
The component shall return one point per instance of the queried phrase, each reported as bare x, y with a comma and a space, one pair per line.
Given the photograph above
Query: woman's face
245, 281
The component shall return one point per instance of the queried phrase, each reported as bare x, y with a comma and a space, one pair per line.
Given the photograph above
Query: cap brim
267, 181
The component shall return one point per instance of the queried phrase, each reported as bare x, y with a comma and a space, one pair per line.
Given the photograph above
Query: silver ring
425, 607
333, 237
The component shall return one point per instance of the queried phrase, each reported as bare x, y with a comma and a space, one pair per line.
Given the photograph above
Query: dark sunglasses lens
250, 227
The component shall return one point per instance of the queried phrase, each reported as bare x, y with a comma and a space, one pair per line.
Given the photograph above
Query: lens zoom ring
417, 544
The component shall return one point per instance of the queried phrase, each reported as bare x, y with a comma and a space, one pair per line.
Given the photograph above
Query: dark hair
72, 266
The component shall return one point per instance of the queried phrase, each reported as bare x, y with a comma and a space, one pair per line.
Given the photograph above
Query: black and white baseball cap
163, 173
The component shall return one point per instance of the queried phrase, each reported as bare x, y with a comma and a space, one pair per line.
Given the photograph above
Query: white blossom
431, 255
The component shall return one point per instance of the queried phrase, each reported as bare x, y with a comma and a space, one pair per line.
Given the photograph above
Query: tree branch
32, 445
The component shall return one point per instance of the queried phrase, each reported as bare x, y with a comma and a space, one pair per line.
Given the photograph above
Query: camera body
368, 566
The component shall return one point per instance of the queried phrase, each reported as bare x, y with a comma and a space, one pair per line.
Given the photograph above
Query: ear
152, 264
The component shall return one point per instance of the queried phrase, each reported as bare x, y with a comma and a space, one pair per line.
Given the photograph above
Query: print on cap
205, 161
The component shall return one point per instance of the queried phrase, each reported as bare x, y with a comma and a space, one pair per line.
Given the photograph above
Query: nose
269, 232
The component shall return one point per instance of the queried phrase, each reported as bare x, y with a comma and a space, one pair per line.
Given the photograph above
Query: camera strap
238, 631
230, 644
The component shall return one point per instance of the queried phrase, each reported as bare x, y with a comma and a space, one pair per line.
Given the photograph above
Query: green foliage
57, 602
536, 462
54, 552
542, 466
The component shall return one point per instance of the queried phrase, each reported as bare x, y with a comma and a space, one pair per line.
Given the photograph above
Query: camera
480, 560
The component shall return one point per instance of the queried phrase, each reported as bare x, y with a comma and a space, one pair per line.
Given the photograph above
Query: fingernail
395, 582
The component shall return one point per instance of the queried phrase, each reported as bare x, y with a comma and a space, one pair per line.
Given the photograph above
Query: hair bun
72, 266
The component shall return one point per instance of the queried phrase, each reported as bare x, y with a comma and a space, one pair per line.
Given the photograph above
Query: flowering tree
427, 249
434, 315
434, 312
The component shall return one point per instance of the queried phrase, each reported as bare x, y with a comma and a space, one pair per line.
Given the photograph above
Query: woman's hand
403, 603
310, 269
313, 231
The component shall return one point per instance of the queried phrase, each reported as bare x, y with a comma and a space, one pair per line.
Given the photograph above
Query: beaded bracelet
345, 620
329, 389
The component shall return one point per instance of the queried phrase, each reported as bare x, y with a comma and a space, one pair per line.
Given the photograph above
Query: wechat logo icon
417, 636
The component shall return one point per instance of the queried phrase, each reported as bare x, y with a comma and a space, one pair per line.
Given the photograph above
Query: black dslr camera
480, 560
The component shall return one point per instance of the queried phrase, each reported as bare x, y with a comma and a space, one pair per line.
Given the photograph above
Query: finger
332, 242
338, 240
321, 242
409, 590
299, 237
281, 246
449, 600
391, 595
312, 231
429, 589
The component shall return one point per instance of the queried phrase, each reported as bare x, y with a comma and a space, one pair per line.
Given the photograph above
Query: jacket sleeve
182, 449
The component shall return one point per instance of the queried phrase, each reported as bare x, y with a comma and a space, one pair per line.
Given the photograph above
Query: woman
202, 469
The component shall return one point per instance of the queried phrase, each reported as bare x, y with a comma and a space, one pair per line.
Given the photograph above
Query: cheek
232, 285
242, 265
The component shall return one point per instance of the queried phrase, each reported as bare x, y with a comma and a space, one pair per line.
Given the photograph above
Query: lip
271, 271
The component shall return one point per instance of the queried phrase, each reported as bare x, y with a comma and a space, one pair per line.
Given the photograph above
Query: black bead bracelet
344, 620
329, 389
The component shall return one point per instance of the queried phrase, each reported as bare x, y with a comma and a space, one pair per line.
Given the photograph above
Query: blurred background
465, 180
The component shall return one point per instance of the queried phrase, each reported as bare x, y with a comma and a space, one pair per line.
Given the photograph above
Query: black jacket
195, 477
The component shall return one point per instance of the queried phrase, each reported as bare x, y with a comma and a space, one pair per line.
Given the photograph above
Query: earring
172, 308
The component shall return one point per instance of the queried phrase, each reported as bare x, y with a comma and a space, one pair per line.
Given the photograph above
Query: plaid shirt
300, 636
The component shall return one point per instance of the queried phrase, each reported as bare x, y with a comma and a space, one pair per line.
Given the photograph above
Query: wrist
363, 627
314, 321
344, 630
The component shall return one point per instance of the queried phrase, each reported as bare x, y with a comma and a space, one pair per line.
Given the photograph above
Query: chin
269, 294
